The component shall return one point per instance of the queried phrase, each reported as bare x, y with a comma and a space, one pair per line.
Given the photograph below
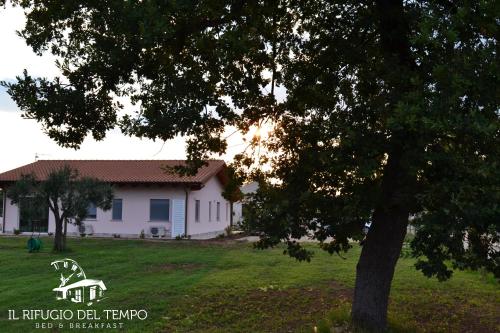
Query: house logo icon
74, 285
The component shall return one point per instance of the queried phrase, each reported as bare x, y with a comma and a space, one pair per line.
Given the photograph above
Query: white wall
135, 211
211, 192
238, 212
11, 214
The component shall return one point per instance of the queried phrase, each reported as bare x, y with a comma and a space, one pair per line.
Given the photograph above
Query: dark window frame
210, 211
197, 205
2, 203
91, 216
113, 217
163, 218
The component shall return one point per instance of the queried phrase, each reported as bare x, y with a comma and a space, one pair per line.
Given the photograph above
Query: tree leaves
66, 193
357, 91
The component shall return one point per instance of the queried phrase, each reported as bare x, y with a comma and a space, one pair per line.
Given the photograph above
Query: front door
178, 217
33, 216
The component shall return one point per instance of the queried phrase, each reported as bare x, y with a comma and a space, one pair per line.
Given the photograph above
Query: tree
66, 195
390, 108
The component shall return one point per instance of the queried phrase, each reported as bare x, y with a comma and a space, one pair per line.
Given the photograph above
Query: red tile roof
119, 171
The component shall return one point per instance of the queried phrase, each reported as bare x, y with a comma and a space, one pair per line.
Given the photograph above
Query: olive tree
67, 196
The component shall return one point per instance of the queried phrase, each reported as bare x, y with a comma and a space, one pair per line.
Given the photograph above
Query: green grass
189, 286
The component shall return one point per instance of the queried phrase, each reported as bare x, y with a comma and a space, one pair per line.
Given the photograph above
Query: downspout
186, 189
4, 204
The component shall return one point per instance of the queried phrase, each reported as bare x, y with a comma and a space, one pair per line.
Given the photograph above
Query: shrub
183, 236
323, 327
142, 235
17, 231
338, 320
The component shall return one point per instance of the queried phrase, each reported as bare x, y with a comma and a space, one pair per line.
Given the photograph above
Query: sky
21, 140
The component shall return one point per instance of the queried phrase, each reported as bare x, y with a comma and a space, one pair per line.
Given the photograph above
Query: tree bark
375, 269
382, 247
65, 233
58, 237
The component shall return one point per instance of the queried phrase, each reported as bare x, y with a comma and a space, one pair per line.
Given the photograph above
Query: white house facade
147, 200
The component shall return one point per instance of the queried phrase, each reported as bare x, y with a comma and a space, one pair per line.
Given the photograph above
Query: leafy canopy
66, 193
195, 67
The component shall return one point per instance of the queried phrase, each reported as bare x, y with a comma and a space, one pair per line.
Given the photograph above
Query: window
159, 210
78, 295
227, 210
197, 211
91, 212
217, 216
1, 203
209, 211
117, 210
92, 293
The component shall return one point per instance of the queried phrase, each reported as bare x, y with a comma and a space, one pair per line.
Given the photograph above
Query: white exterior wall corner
212, 191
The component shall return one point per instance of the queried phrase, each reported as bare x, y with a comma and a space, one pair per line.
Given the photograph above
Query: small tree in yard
66, 194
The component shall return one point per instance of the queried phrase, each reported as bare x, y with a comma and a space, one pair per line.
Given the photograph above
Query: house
238, 207
86, 290
146, 199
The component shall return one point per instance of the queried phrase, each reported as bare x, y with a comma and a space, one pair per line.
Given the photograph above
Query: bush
338, 320
142, 235
117, 236
323, 327
17, 231
183, 236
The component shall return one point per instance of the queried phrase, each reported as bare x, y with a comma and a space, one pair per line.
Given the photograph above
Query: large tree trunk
375, 269
382, 247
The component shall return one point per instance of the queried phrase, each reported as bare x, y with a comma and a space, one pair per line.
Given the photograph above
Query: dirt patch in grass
452, 311
274, 309
266, 309
166, 267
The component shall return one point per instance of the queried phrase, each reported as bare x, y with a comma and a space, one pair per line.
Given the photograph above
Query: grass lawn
213, 286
